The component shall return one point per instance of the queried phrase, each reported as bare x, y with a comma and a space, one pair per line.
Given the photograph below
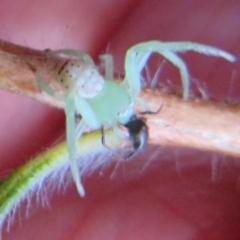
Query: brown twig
17, 67
206, 125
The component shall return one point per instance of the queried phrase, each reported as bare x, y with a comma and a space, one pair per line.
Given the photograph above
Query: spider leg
197, 47
134, 64
103, 137
159, 47
152, 112
75, 53
80, 129
71, 143
103, 140
135, 61
179, 63
108, 59
132, 72
87, 113
46, 88
141, 59
73, 134
138, 55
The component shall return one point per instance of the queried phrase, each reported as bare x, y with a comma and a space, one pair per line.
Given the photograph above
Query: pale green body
112, 105
101, 101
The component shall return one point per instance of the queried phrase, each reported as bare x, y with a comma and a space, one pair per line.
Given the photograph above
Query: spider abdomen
81, 77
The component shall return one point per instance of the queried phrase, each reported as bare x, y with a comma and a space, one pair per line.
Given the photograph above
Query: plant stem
17, 69
27, 178
197, 124
179, 123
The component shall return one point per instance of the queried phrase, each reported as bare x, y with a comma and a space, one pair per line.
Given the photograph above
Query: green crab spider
103, 102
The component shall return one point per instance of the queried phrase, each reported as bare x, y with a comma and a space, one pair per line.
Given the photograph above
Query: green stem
17, 186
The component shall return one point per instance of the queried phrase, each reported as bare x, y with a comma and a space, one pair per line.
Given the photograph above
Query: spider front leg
73, 103
70, 130
71, 141
108, 59
87, 114
138, 55
75, 53
46, 88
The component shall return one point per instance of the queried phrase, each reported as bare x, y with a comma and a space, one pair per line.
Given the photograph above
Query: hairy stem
25, 180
